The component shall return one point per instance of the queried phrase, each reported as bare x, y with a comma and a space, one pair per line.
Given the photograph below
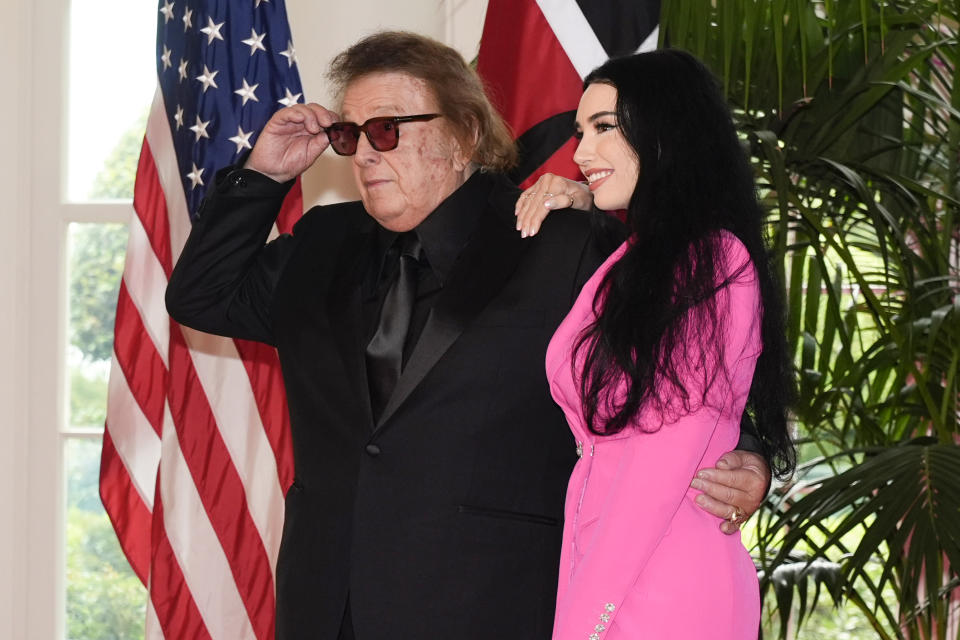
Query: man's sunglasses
383, 133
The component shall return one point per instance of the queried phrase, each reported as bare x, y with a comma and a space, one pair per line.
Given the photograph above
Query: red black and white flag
533, 57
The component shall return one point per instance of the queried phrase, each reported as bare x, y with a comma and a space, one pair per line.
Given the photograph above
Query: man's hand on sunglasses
291, 141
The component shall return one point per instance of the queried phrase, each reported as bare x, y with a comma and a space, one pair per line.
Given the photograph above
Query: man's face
401, 187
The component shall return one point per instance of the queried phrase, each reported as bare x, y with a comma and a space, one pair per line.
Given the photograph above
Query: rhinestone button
599, 627
610, 607
605, 617
579, 449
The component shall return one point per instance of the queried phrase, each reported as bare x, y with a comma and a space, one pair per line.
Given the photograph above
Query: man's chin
388, 216
392, 221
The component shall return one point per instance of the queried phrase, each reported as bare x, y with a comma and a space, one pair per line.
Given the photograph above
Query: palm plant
851, 111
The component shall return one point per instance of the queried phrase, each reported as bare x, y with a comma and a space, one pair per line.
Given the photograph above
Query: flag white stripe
574, 33
651, 41
133, 437
196, 546
152, 628
226, 384
146, 282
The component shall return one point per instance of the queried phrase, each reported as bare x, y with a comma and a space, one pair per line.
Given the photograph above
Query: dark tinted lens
343, 137
382, 134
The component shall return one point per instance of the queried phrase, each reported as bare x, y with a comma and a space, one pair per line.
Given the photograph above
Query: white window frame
33, 306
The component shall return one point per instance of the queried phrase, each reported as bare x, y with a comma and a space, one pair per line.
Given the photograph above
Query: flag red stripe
175, 608
291, 210
142, 366
150, 205
219, 487
266, 379
126, 510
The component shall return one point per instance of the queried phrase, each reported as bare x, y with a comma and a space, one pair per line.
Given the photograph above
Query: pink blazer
639, 559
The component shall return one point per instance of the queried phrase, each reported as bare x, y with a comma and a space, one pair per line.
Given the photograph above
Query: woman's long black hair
659, 299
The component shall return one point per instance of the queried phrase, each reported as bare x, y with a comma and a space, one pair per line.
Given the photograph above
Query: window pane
95, 257
105, 599
109, 94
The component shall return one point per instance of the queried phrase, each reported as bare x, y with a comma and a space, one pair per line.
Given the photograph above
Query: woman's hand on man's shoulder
549, 192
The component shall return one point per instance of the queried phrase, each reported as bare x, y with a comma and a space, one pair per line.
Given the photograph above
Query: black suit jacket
443, 519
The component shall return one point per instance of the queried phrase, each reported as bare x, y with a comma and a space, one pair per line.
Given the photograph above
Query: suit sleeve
653, 476
750, 437
224, 280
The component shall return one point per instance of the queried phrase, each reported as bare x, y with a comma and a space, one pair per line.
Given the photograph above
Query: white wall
33, 223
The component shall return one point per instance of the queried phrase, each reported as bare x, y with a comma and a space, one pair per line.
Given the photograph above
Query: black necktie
385, 350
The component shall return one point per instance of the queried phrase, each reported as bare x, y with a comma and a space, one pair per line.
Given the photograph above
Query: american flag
563, 40
196, 455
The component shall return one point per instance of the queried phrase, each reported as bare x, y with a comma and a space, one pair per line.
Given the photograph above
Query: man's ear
464, 156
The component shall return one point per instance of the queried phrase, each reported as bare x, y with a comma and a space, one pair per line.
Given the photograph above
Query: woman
673, 337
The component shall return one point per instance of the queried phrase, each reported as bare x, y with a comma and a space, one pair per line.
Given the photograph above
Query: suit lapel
482, 270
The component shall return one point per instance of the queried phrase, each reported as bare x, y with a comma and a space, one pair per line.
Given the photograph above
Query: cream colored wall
15, 214
33, 220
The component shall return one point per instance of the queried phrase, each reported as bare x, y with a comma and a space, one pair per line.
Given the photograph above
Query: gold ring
736, 516
547, 195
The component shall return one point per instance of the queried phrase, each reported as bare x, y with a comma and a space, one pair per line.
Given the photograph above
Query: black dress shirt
443, 234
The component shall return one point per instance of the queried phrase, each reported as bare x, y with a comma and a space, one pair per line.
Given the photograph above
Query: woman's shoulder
730, 244
733, 258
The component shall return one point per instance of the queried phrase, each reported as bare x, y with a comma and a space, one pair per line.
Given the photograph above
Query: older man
430, 460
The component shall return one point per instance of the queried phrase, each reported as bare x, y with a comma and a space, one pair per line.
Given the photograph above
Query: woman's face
605, 158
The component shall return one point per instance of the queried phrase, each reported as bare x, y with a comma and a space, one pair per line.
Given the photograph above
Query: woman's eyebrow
601, 114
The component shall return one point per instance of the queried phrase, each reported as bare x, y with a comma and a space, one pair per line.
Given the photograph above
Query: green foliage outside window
96, 265
105, 599
115, 180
